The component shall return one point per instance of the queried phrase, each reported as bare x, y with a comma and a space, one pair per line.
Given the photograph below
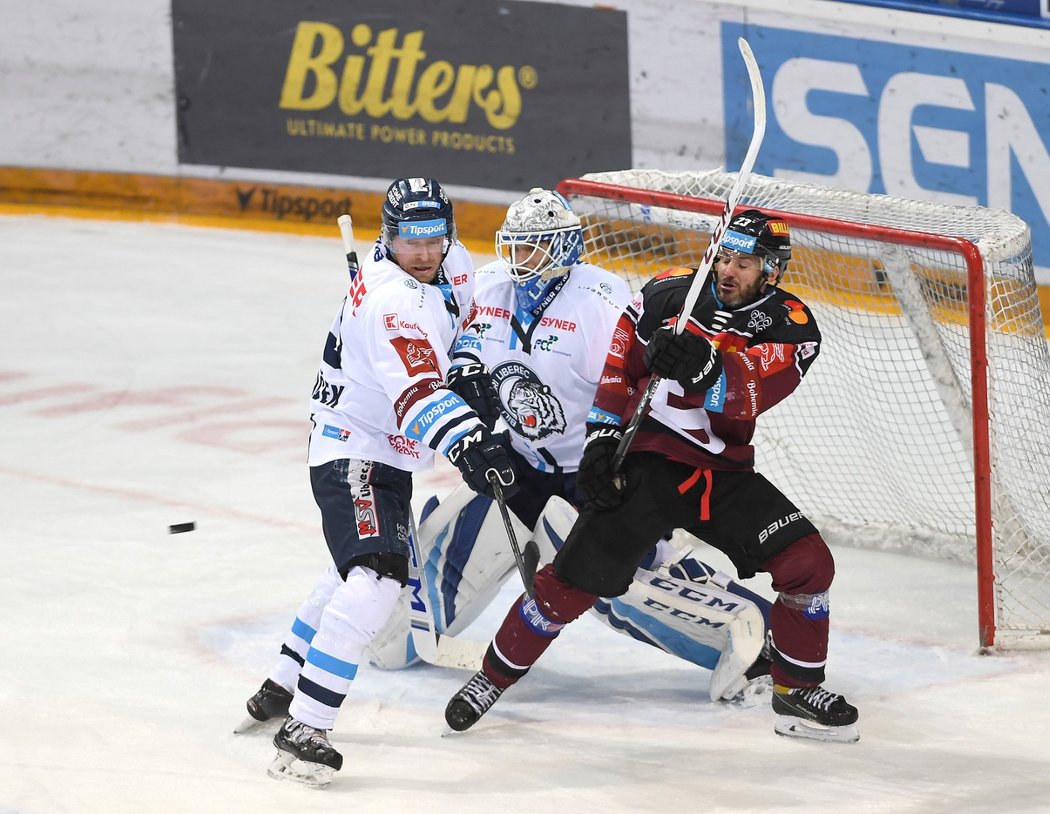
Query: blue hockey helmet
417, 208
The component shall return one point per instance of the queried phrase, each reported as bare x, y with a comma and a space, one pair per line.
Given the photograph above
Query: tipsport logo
738, 242
422, 228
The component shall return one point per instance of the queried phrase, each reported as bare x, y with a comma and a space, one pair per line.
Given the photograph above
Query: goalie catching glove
597, 481
472, 383
688, 358
477, 454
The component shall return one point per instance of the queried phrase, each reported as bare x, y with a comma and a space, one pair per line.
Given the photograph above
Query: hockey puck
179, 528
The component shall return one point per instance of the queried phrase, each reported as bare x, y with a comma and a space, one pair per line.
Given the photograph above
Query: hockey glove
477, 454
597, 481
472, 383
688, 358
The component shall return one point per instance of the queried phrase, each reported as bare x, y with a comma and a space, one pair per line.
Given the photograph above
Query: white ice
156, 374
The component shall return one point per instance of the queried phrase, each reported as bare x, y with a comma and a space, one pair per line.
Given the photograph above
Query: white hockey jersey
380, 393
545, 368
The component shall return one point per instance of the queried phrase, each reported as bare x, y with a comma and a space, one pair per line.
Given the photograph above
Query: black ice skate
271, 701
304, 755
813, 712
471, 702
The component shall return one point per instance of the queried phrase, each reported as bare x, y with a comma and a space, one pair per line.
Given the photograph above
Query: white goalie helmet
540, 237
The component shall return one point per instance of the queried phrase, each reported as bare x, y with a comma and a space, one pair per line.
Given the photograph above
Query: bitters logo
385, 79
359, 88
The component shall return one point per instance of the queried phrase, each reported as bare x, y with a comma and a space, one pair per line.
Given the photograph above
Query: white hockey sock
357, 609
296, 644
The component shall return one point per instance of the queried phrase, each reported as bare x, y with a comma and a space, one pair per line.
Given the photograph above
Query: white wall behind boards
924, 106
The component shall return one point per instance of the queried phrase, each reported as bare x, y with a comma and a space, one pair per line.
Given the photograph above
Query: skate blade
791, 727
249, 723
288, 767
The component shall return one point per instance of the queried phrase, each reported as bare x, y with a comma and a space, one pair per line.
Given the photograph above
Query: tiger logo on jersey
529, 407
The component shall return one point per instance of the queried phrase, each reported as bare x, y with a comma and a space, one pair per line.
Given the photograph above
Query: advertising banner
504, 95
890, 117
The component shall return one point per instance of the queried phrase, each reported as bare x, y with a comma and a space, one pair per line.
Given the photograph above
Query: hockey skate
304, 755
814, 713
271, 701
470, 703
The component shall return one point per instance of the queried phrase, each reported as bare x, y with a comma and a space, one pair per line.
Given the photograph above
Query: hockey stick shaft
530, 558
736, 191
346, 229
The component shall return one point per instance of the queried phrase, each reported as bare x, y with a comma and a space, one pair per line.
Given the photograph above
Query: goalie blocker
686, 608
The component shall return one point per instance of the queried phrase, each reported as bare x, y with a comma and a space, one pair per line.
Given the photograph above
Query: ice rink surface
153, 375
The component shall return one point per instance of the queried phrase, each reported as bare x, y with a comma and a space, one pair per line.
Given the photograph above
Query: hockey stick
346, 229
735, 193
530, 558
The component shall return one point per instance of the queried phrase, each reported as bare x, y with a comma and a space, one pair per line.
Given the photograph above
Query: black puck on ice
178, 528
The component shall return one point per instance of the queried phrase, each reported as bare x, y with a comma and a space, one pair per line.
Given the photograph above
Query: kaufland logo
421, 228
738, 242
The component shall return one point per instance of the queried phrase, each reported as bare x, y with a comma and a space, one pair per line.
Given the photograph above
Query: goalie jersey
564, 340
380, 392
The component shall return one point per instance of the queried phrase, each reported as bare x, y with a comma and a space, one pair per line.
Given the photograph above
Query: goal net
925, 424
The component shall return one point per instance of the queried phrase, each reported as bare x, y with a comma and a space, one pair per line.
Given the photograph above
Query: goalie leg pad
467, 560
700, 623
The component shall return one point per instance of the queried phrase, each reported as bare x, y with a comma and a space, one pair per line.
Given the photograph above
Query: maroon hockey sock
802, 574
531, 625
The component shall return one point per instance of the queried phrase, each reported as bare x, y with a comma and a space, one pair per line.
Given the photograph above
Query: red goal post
925, 425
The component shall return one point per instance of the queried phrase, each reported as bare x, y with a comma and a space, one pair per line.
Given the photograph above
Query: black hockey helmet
415, 208
768, 237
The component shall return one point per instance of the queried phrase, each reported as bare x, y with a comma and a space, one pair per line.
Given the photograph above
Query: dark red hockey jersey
767, 347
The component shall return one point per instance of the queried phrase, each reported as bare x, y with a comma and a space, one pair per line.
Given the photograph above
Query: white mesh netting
877, 444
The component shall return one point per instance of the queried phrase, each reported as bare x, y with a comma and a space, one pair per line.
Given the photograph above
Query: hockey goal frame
977, 304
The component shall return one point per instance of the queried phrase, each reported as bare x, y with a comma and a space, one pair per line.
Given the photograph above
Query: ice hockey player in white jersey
545, 320
380, 411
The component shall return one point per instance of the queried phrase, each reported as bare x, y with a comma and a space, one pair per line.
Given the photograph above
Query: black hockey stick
735, 193
530, 558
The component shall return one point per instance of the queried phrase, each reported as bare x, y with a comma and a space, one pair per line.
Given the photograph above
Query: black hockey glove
477, 454
472, 383
597, 482
688, 358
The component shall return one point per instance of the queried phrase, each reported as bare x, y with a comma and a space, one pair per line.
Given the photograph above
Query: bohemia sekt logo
392, 80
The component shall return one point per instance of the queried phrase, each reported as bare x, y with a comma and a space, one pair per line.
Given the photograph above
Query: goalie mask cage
925, 424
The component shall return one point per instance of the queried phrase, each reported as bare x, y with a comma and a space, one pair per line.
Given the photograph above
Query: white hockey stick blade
791, 727
459, 654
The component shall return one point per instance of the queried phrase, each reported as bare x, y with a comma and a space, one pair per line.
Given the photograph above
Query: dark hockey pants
740, 513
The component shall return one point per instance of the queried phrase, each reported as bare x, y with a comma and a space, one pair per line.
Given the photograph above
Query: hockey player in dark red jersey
746, 347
